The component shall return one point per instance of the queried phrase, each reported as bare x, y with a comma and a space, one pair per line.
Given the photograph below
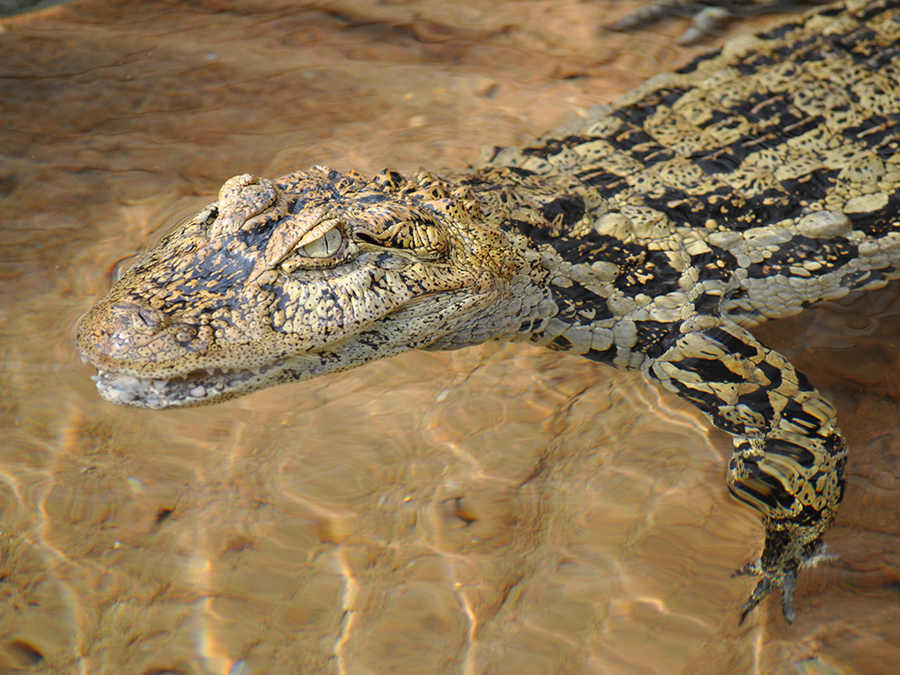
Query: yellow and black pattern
651, 235
789, 455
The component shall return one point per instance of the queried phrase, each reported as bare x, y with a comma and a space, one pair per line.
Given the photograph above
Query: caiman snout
130, 333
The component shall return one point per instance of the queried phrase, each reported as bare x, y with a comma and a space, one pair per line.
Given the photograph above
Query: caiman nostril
149, 318
141, 319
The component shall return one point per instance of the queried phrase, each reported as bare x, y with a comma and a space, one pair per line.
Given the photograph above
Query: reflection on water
501, 509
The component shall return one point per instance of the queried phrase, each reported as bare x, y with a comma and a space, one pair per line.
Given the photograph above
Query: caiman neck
517, 203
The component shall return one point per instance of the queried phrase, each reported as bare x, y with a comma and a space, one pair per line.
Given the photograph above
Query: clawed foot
780, 577
771, 581
706, 20
708, 17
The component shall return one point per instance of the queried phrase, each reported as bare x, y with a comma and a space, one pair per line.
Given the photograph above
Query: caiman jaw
211, 385
132, 331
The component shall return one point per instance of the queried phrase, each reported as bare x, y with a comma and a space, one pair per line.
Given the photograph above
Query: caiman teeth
160, 392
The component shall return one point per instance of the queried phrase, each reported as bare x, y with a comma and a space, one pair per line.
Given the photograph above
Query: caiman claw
780, 577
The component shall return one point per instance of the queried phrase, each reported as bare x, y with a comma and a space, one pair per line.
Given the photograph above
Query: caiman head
284, 280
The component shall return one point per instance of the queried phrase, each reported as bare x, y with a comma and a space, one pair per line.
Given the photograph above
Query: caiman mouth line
195, 388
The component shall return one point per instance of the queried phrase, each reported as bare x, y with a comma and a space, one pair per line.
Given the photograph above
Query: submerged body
651, 235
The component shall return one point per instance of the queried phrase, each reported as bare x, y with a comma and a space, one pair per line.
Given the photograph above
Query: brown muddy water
501, 509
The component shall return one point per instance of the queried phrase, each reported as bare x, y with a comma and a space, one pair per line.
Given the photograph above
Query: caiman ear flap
408, 227
417, 236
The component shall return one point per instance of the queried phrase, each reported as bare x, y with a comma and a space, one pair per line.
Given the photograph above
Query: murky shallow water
502, 509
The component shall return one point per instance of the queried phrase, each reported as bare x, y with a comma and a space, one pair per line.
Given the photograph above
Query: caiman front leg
789, 455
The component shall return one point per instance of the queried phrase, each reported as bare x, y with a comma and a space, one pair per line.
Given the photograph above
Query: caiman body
753, 183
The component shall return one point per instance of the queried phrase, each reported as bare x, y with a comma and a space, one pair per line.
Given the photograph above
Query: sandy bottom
502, 509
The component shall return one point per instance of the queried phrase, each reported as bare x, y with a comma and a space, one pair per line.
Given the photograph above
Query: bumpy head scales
283, 280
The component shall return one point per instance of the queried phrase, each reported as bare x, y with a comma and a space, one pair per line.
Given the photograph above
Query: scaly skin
651, 235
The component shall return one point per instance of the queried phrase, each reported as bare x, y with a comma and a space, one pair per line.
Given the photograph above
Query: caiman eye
323, 247
329, 250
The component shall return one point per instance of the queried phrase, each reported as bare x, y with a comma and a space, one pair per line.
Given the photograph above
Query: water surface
502, 509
